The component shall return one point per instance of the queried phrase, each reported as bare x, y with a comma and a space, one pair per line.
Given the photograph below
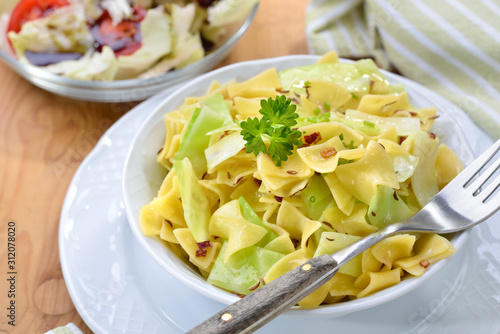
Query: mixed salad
265, 174
116, 39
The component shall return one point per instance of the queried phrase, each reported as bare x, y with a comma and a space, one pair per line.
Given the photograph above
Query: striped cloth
449, 46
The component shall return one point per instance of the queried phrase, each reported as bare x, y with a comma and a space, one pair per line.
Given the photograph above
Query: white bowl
142, 177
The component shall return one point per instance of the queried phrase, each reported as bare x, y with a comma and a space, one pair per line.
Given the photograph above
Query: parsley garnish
276, 126
327, 106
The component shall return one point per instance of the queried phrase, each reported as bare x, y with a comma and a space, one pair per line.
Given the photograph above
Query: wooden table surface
43, 140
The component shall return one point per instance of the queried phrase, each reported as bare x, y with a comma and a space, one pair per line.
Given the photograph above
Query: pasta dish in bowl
253, 169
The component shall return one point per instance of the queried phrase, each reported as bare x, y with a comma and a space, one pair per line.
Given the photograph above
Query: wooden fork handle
261, 306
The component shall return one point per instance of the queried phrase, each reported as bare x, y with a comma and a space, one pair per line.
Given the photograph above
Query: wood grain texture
43, 140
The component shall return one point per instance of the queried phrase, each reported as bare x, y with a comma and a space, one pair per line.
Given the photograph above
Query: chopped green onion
327, 106
312, 199
368, 123
355, 96
307, 83
316, 111
344, 161
341, 136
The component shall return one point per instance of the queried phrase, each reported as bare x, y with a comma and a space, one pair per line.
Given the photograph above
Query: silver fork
466, 201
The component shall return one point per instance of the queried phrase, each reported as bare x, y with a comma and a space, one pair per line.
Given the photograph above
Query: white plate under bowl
117, 288
142, 177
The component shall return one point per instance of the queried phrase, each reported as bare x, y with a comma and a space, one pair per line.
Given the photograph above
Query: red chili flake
401, 140
395, 195
204, 175
228, 175
161, 149
254, 286
278, 198
225, 134
382, 146
372, 83
295, 242
388, 104
432, 135
292, 172
284, 91
330, 239
295, 100
202, 248
259, 182
373, 213
296, 94
412, 113
169, 223
239, 180
425, 263
433, 117
204, 244
262, 281
180, 199
329, 152
312, 138
201, 253
307, 242
327, 224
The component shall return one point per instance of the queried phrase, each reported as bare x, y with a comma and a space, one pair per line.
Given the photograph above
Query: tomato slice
125, 37
28, 10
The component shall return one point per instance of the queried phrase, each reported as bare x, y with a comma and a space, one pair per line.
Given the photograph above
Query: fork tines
480, 177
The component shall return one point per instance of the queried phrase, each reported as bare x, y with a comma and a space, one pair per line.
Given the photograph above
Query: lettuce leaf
423, 180
194, 202
243, 270
195, 140
228, 11
342, 74
64, 30
92, 66
316, 196
386, 207
186, 46
156, 43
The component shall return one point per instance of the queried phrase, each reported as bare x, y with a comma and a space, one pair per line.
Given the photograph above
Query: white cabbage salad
265, 174
107, 40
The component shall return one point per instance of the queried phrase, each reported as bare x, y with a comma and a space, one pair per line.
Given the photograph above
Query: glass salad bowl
126, 90
142, 177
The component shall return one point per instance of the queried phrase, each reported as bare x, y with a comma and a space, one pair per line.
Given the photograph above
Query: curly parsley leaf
280, 111
278, 117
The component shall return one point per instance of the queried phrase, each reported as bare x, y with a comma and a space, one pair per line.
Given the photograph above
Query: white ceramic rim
196, 282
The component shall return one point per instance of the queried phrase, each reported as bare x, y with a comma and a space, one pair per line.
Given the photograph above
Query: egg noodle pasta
360, 157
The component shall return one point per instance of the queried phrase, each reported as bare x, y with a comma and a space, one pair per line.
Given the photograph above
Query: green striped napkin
449, 46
